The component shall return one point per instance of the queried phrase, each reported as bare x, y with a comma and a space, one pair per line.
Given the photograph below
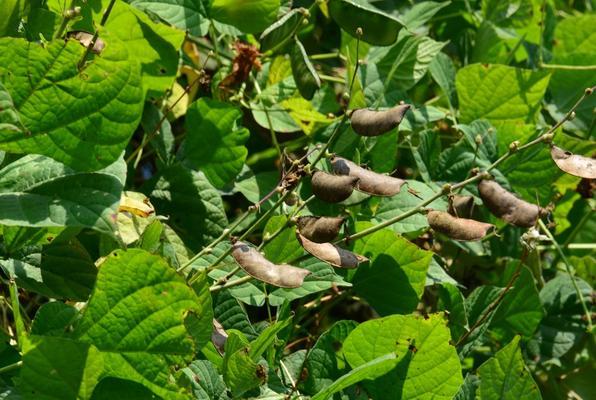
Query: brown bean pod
461, 206
257, 266
218, 336
85, 38
320, 229
574, 164
374, 123
458, 228
369, 181
507, 206
331, 253
332, 188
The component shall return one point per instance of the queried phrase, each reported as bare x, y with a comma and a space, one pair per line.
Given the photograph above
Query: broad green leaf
187, 15
428, 365
54, 195
436, 274
194, 206
17, 237
63, 270
304, 72
113, 388
574, 44
370, 370
324, 361
53, 319
304, 114
240, 371
135, 317
200, 324
393, 280
57, 368
163, 142
206, 381
500, 93
563, 325
266, 339
269, 103
230, 313
377, 27
249, 16
443, 72
520, 311
276, 35
397, 68
476, 306
505, 376
421, 13
11, 10
83, 119
468, 389
389, 207
285, 247
255, 186
155, 46
452, 300
214, 142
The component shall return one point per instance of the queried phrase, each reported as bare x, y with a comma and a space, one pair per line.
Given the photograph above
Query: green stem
324, 56
239, 281
330, 78
568, 67
16, 313
569, 272
65, 20
104, 19
11, 367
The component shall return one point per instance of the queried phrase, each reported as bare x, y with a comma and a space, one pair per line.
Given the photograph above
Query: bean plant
274, 199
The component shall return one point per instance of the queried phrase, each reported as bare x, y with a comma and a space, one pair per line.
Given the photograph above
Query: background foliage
140, 138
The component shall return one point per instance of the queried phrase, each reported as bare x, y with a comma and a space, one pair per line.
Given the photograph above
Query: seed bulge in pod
218, 336
369, 181
574, 164
461, 206
257, 266
332, 188
507, 206
374, 123
458, 228
331, 253
320, 229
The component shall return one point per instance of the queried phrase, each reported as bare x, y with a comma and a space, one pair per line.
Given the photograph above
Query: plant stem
236, 282
11, 367
568, 67
324, 56
16, 312
330, 78
569, 272
65, 19
104, 19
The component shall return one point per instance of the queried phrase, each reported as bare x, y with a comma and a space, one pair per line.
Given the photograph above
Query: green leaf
276, 35
421, 13
452, 300
214, 142
81, 119
324, 361
58, 368
393, 206
155, 46
371, 370
111, 388
304, 72
194, 206
135, 317
52, 319
240, 371
266, 338
206, 381
393, 280
443, 72
11, 10
230, 313
55, 195
249, 16
563, 326
500, 93
63, 270
187, 15
397, 68
285, 247
520, 311
505, 376
428, 365
378, 28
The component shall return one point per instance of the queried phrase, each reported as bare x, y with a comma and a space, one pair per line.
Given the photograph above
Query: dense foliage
345, 199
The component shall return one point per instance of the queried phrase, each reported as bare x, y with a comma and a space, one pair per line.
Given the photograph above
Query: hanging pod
331, 253
304, 73
461, 206
332, 188
574, 164
218, 336
280, 31
377, 27
368, 181
257, 266
374, 123
507, 206
458, 228
320, 229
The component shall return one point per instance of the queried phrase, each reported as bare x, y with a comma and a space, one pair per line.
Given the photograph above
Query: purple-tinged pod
332, 188
257, 266
320, 229
368, 181
458, 228
505, 205
331, 254
574, 164
218, 336
367, 122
